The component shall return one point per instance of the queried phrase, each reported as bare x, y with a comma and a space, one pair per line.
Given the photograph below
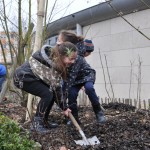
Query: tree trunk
37, 46
20, 49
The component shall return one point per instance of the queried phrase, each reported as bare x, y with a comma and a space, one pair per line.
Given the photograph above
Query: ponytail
70, 37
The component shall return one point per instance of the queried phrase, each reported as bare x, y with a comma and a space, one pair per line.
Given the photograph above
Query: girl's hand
66, 112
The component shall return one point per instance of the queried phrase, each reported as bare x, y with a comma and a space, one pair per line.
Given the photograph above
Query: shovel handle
74, 121
86, 142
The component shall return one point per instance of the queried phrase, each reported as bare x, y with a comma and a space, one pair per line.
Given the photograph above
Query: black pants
40, 89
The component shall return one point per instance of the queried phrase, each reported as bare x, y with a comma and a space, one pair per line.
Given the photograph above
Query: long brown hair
70, 36
58, 53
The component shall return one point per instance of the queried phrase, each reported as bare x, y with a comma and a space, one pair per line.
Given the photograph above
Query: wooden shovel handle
74, 121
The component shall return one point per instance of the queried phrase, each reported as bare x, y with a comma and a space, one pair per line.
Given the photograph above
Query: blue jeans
2, 80
73, 93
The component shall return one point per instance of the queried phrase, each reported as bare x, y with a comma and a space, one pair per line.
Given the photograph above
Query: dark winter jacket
80, 72
40, 67
81, 48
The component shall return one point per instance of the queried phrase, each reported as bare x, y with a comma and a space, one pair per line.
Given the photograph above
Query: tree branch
121, 15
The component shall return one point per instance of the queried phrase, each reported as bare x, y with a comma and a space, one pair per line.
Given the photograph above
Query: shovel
90, 141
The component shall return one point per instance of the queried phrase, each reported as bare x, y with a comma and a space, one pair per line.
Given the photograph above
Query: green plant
11, 138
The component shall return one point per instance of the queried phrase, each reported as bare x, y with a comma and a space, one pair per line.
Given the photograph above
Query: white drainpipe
79, 30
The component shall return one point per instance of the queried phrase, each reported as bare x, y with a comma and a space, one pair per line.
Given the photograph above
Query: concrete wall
122, 45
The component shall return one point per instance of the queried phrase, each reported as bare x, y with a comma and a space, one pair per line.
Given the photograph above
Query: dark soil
125, 129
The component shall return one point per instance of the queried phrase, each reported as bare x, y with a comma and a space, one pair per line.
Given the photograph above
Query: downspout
79, 30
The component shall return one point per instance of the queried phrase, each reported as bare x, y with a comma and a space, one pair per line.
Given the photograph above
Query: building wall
51, 41
124, 48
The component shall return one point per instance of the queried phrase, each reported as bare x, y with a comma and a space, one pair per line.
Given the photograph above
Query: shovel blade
91, 141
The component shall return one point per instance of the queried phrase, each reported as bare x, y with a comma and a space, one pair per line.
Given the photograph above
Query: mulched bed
126, 128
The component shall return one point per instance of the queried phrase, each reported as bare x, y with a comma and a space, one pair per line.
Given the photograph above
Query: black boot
50, 124
99, 114
38, 125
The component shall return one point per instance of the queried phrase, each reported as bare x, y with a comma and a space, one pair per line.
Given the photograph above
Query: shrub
10, 136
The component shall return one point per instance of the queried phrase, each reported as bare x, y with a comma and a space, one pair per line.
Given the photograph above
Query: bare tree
109, 77
139, 79
7, 31
17, 54
104, 74
130, 85
37, 46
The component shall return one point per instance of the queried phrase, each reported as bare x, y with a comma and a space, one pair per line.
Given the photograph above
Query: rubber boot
99, 114
38, 125
50, 124
47, 121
